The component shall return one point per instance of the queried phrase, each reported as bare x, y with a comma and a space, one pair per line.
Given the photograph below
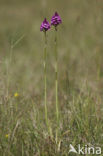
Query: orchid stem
45, 79
56, 77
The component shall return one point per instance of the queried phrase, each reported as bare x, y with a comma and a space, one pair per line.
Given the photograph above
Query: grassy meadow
23, 130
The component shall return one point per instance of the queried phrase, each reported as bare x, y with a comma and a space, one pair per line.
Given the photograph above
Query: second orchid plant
45, 26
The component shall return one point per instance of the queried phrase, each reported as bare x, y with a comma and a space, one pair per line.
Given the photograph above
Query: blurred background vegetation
80, 49
80, 40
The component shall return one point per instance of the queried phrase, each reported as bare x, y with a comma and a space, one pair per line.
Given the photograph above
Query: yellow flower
16, 95
7, 135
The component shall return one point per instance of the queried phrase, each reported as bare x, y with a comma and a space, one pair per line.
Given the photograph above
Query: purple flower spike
45, 25
56, 19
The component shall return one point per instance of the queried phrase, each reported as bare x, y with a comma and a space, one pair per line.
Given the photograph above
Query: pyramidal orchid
55, 21
45, 26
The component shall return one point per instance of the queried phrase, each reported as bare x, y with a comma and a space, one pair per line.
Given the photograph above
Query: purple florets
56, 19
45, 25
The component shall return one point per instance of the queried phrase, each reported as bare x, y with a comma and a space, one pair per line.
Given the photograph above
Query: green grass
80, 77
